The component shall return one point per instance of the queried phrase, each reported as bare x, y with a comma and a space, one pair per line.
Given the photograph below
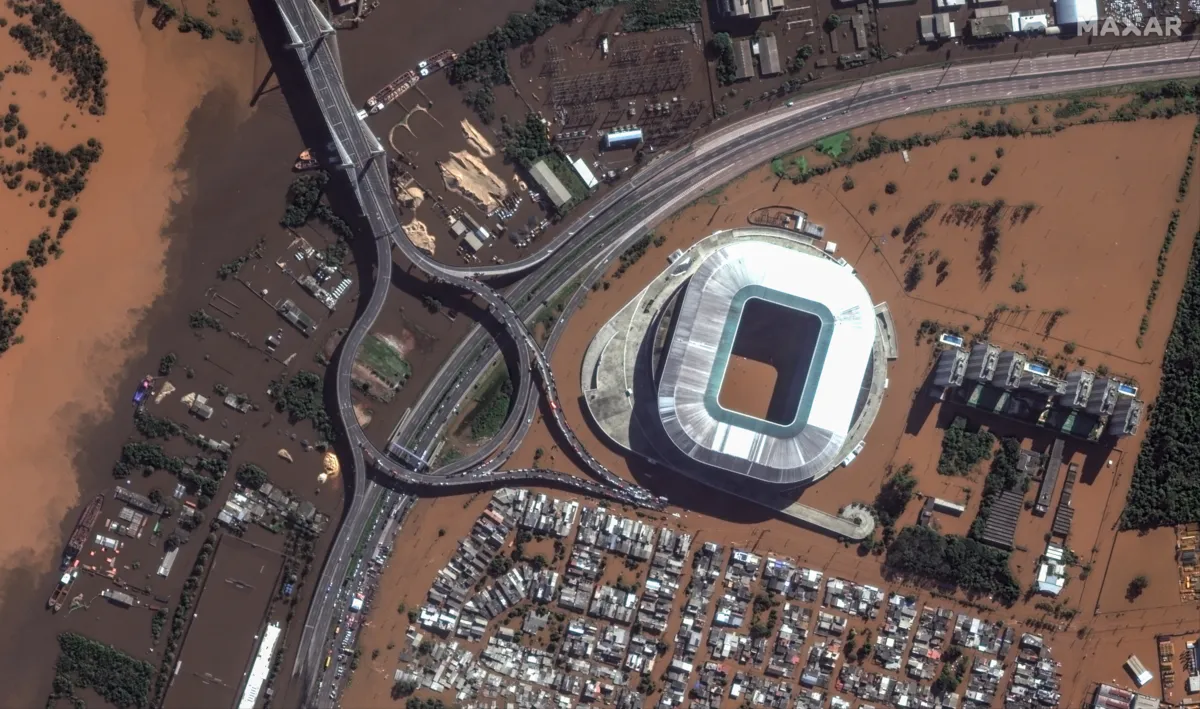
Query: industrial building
623, 138
550, 184
1079, 403
768, 56
752, 9
937, 27
743, 60
1071, 13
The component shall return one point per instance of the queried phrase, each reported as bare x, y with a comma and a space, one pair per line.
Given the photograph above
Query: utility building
550, 184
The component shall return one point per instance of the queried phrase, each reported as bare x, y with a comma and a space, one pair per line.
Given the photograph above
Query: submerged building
1079, 403
754, 363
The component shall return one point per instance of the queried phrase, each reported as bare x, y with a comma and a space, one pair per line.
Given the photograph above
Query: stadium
755, 362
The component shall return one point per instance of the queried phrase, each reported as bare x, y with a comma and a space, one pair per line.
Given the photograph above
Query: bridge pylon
322, 21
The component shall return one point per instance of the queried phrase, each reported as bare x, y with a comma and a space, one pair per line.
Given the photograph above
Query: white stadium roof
790, 453
1072, 12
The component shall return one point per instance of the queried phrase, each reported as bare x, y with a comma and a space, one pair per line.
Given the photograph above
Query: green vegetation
636, 251
1163, 252
483, 102
1073, 108
890, 188
832, 22
486, 61
650, 15
65, 174
304, 202
962, 450
527, 141
117, 678
1018, 285
301, 398
1136, 586
915, 272
166, 364
182, 615
414, 703
1165, 489
894, 495
847, 183
958, 561
54, 35
1003, 476
251, 475
383, 359
491, 407
796, 63
834, 146
954, 175
200, 319
721, 48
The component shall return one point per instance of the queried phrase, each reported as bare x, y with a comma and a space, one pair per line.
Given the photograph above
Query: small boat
305, 161
143, 390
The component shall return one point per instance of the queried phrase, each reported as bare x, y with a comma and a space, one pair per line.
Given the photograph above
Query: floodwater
1066, 254
76, 343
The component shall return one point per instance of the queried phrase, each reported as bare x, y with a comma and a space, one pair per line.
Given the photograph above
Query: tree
721, 49
833, 22
1136, 586
890, 188
962, 450
251, 476
847, 183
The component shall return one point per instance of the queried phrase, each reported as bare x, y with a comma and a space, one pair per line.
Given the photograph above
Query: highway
661, 188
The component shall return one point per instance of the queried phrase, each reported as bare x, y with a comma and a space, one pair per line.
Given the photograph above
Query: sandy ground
1104, 310
418, 233
469, 176
75, 343
477, 141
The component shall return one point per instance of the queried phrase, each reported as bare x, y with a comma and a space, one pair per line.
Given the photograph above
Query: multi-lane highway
666, 184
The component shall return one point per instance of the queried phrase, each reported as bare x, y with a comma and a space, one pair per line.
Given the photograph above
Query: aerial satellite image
541, 354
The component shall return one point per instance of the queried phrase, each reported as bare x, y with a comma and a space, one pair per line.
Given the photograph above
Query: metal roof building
834, 333
550, 184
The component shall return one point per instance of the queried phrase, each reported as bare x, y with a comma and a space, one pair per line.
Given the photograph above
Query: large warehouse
756, 359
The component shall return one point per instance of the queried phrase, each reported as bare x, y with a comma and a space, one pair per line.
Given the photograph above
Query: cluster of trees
145, 457
1002, 476
251, 475
636, 251
52, 33
796, 63
414, 703
877, 145
721, 48
1165, 489
486, 61
962, 450
650, 15
179, 620
304, 202
301, 398
65, 173
117, 678
958, 561
894, 496
491, 409
152, 426
200, 319
528, 141
483, 102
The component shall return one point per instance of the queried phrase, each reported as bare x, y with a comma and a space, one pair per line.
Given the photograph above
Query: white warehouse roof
795, 451
1071, 12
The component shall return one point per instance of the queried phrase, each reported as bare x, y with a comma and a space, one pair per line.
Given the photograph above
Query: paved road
658, 190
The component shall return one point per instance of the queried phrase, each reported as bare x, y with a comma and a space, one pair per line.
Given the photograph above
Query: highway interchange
584, 249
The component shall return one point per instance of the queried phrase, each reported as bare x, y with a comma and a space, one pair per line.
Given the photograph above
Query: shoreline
98, 305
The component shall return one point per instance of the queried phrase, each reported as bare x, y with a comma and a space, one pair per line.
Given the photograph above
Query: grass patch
491, 405
834, 145
383, 359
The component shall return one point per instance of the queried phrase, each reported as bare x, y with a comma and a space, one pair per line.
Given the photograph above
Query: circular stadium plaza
755, 361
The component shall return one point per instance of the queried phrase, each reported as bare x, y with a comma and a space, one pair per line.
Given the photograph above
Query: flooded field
241, 581
1062, 255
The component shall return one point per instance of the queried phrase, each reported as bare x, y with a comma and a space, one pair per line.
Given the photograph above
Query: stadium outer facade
652, 375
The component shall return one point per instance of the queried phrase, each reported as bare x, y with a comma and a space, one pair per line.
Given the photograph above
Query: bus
328, 659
